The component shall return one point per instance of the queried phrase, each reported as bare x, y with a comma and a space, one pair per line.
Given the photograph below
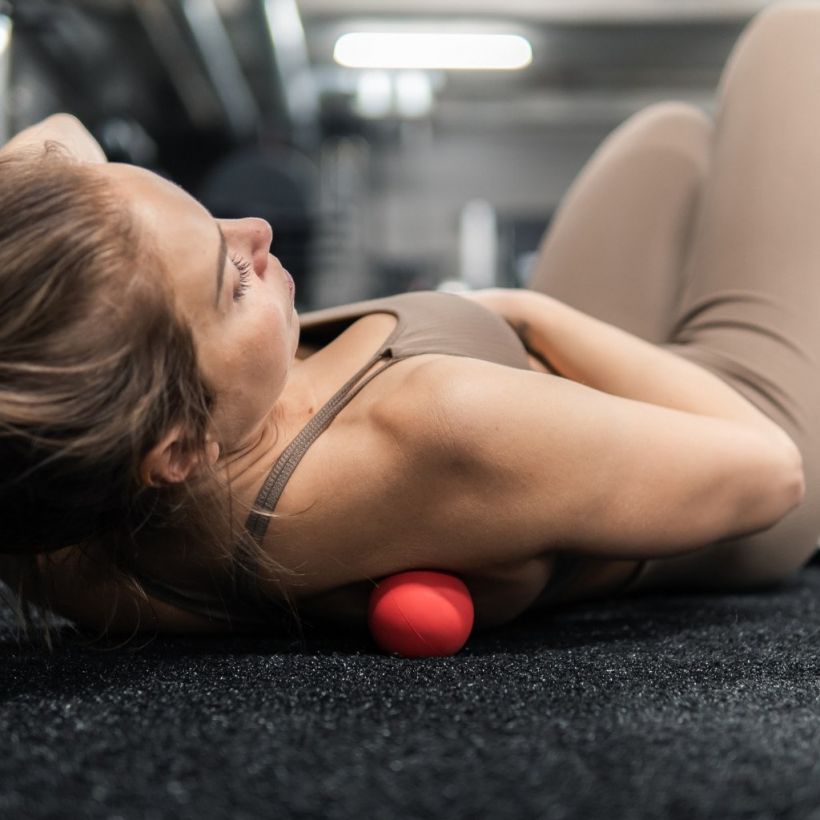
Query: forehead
162, 208
182, 230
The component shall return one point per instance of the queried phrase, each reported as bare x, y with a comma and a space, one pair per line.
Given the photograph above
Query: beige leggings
684, 230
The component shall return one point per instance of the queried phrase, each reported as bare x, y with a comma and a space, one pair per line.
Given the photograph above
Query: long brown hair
96, 364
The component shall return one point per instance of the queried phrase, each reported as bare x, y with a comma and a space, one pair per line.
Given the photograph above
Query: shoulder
440, 402
422, 411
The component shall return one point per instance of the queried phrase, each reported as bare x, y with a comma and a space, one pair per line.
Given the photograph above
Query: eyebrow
220, 265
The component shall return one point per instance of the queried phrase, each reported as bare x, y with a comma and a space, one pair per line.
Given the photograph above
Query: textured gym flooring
663, 705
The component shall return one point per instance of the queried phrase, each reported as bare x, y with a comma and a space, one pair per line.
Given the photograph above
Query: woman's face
234, 293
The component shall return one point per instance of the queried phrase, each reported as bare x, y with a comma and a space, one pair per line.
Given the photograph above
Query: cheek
267, 353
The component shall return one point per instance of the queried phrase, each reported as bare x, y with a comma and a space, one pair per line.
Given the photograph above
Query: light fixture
374, 94
414, 94
5, 67
432, 50
404, 94
5, 32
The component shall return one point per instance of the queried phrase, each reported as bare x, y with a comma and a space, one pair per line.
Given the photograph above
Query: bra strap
256, 524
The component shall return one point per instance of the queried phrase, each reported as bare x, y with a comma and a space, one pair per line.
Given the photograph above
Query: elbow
797, 473
787, 463
779, 488
793, 483
799, 486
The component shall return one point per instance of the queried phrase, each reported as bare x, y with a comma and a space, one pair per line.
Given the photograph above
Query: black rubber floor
684, 705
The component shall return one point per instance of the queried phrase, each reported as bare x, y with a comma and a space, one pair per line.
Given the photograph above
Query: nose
261, 236
254, 236
262, 232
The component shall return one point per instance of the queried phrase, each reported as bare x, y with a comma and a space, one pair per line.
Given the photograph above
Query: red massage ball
421, 614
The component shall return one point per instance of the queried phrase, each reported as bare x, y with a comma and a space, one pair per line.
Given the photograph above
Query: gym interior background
377, 180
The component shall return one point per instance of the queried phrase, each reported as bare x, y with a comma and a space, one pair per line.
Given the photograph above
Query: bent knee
678, 112
672, 125
785, 9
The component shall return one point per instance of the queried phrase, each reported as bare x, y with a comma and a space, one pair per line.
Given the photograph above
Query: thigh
749, 309
748, 306
616, 246
748, 277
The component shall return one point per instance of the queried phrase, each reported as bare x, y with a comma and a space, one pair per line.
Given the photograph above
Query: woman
182, 452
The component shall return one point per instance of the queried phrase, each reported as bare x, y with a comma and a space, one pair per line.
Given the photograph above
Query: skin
246, 345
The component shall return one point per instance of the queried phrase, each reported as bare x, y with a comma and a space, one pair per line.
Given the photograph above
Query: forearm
65, 129
587, 350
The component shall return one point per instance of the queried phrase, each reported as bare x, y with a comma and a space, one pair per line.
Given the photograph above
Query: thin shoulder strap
257, 525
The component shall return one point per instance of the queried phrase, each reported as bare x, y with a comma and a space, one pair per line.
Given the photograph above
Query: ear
172, 460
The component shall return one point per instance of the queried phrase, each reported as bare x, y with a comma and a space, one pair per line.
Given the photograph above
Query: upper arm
544, 462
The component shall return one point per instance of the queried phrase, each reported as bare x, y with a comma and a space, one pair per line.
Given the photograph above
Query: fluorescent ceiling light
5, 32
417, 50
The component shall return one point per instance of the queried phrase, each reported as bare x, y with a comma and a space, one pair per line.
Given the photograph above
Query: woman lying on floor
182, 452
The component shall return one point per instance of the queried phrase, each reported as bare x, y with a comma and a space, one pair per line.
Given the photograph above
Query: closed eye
244, 268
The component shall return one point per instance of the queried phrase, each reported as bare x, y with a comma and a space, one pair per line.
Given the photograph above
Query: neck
263, 445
